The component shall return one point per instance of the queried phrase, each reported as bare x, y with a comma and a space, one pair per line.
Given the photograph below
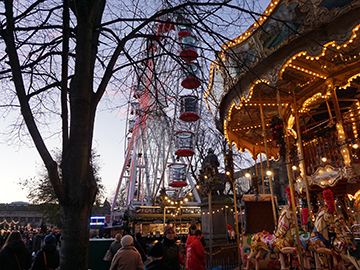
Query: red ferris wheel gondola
190, 77
189, 108
188, 45
184, 142
177, 175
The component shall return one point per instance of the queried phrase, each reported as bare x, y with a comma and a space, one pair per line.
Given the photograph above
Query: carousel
289, 88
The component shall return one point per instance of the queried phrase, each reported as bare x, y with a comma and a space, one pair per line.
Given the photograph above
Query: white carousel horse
320, 241
263, 242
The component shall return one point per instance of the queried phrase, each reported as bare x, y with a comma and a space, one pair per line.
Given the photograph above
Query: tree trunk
75, 237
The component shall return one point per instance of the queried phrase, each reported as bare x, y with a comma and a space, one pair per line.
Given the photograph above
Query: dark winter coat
12, 251
140, 245
52, 258
114, 247
158, 265
195, 254
37, 243
171, 254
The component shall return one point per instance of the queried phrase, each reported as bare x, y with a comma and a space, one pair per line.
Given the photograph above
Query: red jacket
195, 254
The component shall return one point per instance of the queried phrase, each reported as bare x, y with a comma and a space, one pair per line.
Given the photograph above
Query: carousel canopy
293, 58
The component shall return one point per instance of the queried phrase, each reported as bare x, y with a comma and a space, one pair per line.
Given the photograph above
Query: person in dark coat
37, 242
156, 258
140, 245
116, 245
48, 256
14, 254
171, 251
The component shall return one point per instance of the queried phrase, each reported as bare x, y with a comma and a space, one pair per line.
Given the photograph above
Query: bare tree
59, 57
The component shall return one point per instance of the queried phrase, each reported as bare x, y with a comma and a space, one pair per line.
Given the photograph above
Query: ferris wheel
164, 115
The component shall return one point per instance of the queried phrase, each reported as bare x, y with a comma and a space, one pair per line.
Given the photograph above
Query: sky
18, 163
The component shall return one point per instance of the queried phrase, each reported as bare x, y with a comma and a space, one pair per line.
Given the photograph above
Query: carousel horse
263, 242
320, 241
341, 243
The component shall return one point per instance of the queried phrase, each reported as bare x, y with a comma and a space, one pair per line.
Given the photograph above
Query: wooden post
211, 228
237, 225
164, 215
267, 161
256, 172
302, 158
291, 184
262, 173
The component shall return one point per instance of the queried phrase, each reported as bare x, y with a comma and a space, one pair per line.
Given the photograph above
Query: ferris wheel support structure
150, 152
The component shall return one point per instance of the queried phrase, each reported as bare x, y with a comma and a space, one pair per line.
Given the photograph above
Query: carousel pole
164, 216
256, 172
262, 173
291, 185
232, 179
267, 161
237, 224
211, 228
302, 158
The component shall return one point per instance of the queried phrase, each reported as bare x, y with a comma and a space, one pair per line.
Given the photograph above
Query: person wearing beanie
195, 253
127, 257
48, 256
156, 258
171, 251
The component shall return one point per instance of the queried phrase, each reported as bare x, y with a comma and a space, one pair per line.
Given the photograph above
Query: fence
224, 256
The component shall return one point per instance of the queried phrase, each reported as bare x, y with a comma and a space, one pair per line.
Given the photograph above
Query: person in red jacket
195, 253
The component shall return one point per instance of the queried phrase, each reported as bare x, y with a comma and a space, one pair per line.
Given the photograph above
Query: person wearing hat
156, 258
195, 253
48, 256
127, 257
192, 230
171, 251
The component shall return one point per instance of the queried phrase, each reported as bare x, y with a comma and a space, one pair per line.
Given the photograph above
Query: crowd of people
19, 250
130, 253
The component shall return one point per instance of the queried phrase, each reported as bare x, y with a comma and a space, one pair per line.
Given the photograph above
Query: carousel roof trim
262, 19
246, 98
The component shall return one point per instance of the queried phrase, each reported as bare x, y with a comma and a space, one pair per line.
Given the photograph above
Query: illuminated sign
97, 221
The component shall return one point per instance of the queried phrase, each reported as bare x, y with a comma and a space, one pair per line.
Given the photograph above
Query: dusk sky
21, 162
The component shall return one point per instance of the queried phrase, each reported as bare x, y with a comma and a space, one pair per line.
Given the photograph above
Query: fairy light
313, 100
349, 81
